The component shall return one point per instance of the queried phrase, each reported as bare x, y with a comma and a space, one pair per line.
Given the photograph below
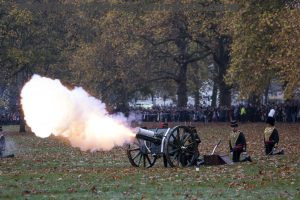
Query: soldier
237, 143
2, 145
271, 135
163, 125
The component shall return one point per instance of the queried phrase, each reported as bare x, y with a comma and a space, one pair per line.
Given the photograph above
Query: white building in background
205, 93
275, 95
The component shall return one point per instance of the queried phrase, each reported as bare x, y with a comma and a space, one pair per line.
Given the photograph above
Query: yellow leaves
265, 42
22, 17
20, 56
286, 58
135, 48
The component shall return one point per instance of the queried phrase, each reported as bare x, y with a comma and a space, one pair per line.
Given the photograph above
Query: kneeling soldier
237, 143
271, 136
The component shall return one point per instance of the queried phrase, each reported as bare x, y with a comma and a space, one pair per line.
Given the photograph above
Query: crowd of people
7, 118
285, 112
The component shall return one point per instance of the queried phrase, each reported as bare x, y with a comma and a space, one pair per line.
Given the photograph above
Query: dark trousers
2, 145
236, 155
269, 148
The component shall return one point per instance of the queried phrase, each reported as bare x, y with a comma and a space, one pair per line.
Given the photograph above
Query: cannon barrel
145, 132
147, 135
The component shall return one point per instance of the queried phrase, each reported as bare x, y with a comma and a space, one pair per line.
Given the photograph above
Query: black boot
249, 159
280, 152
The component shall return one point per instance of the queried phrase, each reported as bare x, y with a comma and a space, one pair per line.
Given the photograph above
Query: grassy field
51, 169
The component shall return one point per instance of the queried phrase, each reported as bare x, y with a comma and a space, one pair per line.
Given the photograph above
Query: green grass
51, 169
10, 128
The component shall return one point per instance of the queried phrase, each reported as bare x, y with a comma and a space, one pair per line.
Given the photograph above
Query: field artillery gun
177, 146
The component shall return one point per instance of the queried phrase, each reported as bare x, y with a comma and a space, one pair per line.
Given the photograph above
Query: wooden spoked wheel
181, 147
139, 154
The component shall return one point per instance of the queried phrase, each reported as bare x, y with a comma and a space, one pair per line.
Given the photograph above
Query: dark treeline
117, 55
10, 119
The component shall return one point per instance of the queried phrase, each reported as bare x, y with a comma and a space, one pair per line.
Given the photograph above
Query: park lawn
52, 169
10, 128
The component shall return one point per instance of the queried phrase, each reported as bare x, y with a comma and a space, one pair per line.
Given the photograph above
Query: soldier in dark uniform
237, 143
163, 125
271, 135
2, 145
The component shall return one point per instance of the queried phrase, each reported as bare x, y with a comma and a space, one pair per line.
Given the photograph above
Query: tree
287, 43
265, 46
162, 45
175, 37
33, 41
114, 65
198, 75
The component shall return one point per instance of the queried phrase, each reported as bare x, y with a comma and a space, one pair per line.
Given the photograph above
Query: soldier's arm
275, 136
230, 147
244, 141
241, 142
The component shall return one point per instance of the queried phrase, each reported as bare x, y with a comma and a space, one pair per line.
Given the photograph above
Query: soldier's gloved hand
238, 147
269, 142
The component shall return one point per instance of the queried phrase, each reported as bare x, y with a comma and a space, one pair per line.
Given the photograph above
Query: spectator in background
243, 114
254, 113
294, 111
236, 113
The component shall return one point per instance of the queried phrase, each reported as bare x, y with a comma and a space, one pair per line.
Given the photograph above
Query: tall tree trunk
182, 44
123, 104
214, 95
22, 79
197, 97
22, 121
254, 99
222, 58
266, 95
182, 86
152, 98
196, 84
225, 94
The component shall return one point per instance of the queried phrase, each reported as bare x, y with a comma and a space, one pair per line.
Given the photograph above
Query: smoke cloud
51, 108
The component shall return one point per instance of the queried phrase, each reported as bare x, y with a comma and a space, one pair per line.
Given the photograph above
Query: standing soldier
237, 143
271, 135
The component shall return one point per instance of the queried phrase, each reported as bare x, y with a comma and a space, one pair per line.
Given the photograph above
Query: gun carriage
177, 146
